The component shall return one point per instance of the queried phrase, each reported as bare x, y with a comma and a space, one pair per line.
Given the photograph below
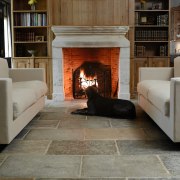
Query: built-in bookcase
31, 31
151, 35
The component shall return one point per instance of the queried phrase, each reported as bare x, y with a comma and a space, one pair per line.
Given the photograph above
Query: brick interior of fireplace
75, 57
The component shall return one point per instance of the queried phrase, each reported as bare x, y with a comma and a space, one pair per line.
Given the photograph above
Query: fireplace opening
92, 74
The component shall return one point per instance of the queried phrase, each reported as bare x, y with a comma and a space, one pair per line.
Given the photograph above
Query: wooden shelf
29, 26
152, 10
30, 11
151, 41
30, 42
147, 41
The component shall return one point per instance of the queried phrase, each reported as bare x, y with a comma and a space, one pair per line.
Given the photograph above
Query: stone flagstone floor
58, 145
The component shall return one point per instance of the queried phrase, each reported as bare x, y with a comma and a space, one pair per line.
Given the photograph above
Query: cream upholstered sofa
22, 96
159, 96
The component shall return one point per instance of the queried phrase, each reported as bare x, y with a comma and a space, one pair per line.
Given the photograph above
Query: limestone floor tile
50, 116
82, 179
115, 133
82, 148
84, 123
140, 147
55, 134
119, 123
155, 133
172, 163
41, 166
101, 133
26, 147
61, 110
22, 134
131, 134
153, 179
43, 124
122, 166
2, 158
136, 123
71, 117
17, 178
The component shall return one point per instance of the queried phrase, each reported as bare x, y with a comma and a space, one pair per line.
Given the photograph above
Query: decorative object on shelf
143, 2
157, 6
32, 4
39, 38
32, 52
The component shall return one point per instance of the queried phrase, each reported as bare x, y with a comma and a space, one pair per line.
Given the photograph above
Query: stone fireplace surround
90, 37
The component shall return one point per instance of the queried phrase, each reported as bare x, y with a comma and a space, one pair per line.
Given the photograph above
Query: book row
151, 35
142, 51
30, 19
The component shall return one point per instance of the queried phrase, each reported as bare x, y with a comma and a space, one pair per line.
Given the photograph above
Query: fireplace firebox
92, 74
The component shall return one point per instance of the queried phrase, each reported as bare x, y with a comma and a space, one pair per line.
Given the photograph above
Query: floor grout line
46, 150
80, 168
161, 162
58, 124
118, 152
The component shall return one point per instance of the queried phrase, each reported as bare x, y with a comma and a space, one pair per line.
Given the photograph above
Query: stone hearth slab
26, 147
55, 134
82, 148
122, 166
41, 166
147, 147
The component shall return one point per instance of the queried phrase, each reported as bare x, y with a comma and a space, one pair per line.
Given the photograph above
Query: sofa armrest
156, 73
6, 109
27, 74
175, 106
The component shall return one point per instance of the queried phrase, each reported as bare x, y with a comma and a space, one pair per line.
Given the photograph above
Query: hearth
92, 74
75, 45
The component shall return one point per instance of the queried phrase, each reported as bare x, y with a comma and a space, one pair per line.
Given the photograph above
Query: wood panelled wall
90, 12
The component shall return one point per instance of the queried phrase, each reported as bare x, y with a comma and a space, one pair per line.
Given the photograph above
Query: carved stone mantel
91, 36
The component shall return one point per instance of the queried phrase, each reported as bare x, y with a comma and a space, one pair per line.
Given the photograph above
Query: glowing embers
86, 81
92, 74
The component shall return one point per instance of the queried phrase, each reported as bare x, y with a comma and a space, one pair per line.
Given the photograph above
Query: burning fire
86, 81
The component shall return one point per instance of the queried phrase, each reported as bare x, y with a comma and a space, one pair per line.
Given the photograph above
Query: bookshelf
150, 45
31, 31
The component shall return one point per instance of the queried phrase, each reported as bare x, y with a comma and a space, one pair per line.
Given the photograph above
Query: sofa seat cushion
157, 92
26, 94
22, 99
39, 87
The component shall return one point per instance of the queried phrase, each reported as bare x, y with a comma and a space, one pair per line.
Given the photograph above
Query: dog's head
91, 92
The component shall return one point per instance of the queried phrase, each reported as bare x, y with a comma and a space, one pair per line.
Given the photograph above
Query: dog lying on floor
100, 106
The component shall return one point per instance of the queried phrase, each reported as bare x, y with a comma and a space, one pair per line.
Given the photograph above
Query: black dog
100, 106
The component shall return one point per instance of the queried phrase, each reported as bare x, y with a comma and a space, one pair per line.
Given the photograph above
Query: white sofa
159, 96
22, 96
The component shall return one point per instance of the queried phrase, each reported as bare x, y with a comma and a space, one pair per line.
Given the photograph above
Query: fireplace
103, 49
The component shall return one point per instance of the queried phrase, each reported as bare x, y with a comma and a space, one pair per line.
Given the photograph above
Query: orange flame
87, 81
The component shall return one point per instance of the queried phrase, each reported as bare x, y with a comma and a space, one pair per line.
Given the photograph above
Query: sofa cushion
4, 70
177, 67
22, 99
157, 92
39, 87
25, 94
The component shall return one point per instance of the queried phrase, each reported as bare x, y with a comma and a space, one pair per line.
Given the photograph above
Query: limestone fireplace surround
90, 37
